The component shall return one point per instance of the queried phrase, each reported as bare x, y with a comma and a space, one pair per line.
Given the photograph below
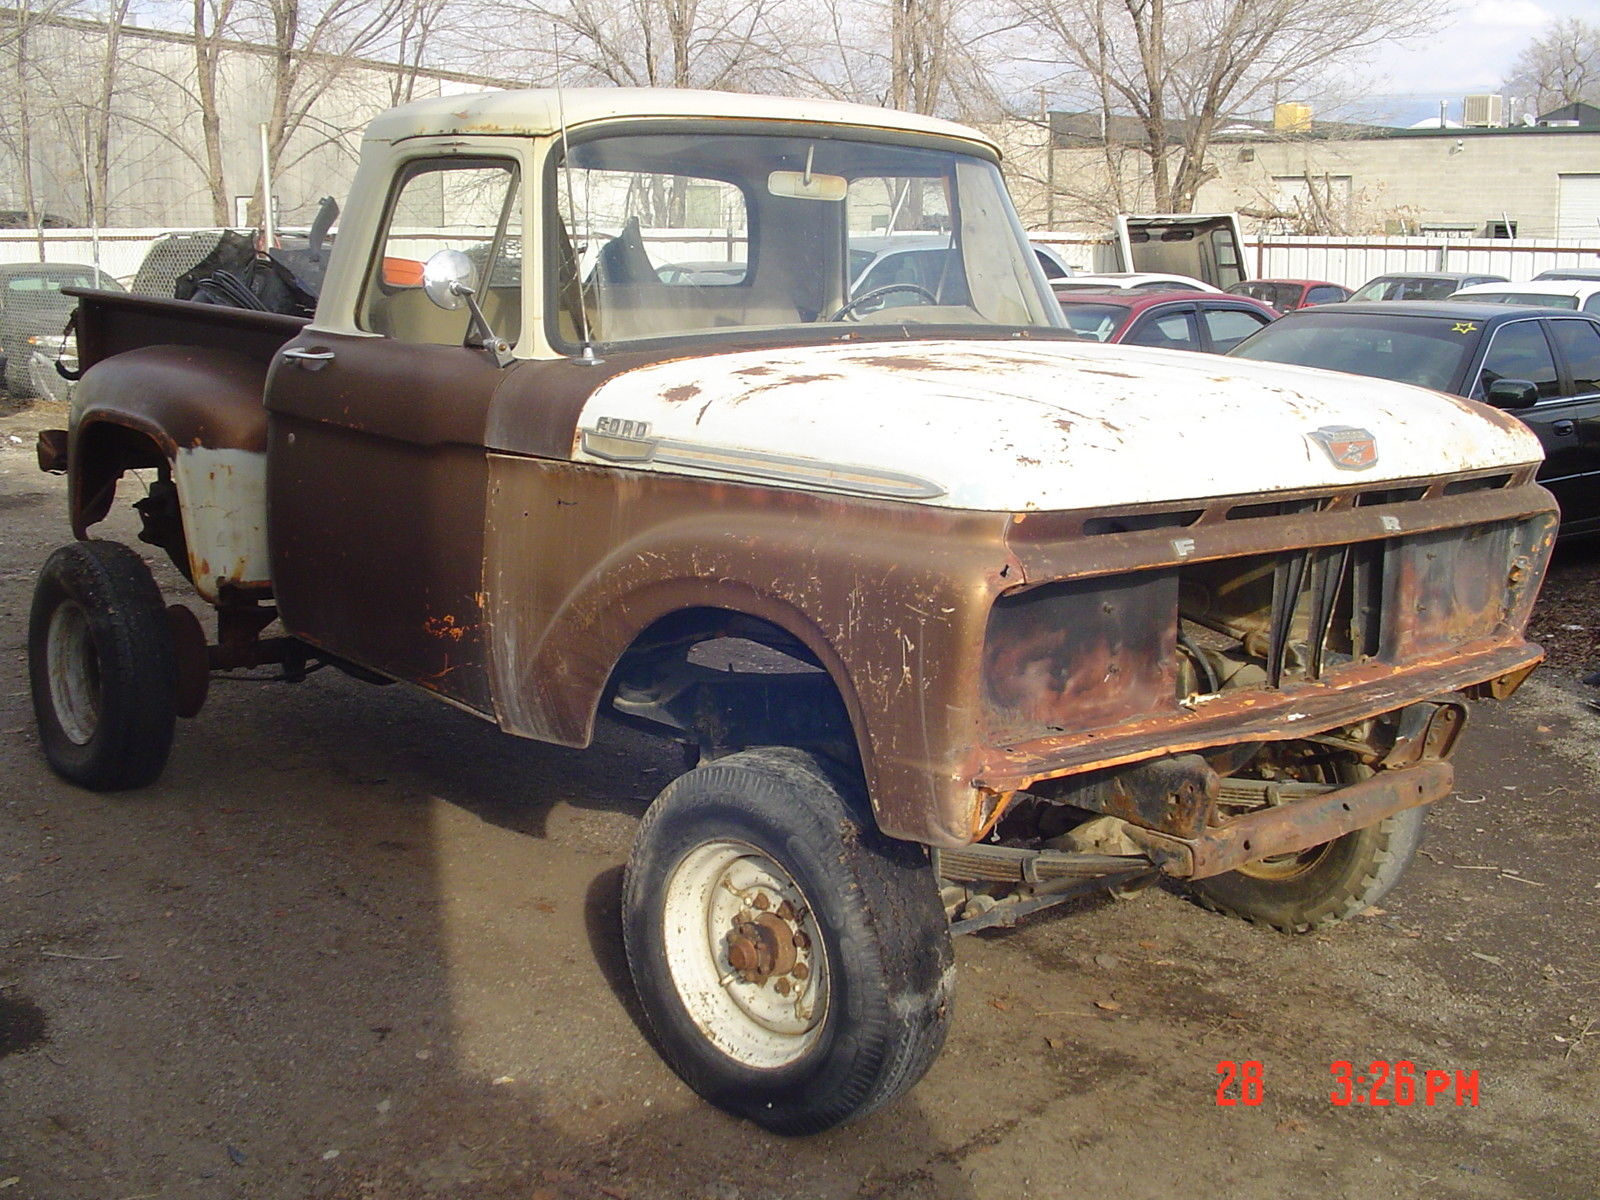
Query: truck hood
1012, 426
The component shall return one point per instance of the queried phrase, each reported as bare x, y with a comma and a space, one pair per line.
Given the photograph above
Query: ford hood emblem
1351, 449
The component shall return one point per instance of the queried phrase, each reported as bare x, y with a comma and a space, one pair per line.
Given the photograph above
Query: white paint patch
224, 498
1011, 426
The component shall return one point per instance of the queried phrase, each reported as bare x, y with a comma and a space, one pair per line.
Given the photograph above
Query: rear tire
101, 664
794, 963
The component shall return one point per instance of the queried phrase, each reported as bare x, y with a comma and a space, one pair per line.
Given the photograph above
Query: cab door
377, 472
1577, 346
1567, 421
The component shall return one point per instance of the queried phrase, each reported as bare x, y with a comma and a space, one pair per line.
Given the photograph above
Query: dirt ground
358, 945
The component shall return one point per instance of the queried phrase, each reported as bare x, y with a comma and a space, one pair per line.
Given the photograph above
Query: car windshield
1279, 295
1097, 321
54, 281
1406, 287
1429, 351
767, 222
1543, 299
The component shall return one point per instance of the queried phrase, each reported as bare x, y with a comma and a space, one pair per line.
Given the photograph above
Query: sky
1470, 53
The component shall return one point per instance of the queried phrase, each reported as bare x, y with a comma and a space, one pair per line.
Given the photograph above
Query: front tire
794, 963
101, 664
1325, 884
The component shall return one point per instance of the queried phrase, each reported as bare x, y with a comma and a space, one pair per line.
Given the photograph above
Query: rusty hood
1012, 426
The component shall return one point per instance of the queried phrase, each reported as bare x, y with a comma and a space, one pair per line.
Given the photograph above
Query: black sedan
1542, 364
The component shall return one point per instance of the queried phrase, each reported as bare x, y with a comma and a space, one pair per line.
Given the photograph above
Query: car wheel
793, 962
1325, 884
102, 667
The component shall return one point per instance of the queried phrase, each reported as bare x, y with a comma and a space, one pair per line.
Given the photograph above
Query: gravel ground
358, 945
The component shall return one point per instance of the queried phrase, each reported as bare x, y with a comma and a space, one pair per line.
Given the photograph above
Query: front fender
197, 411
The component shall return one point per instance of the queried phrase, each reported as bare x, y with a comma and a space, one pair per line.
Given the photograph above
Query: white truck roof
540, 112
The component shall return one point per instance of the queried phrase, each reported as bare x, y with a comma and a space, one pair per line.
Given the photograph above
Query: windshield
662, 234
1429, 351
1279, 295
1542, 299
1097, 321
1407, 287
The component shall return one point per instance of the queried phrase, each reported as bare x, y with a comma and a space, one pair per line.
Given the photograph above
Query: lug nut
782, 987
762, 902
801, 971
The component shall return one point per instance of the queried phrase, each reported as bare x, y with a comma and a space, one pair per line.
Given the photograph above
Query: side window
1166, 331
1326, 295
1227, 327
1580, 346
1520, 351
1592, 304
1052, 269
447, 204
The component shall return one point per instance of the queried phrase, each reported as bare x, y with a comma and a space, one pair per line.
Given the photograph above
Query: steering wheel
878, 293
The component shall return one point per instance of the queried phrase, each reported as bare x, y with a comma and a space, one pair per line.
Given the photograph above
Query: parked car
1543, 365
921, 259
1201, 321
1132, 281
1286, 295
1569, 273
1583, 295
33, 313
1420, 285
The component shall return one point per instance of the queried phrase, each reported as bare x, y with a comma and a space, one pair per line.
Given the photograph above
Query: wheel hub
764, 946
742, 945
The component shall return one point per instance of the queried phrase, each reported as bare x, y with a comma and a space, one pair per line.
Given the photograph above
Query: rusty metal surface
1251, 715
890, 598
116, 322
52, 451
894, 603
176, 397
376, 481
1299, 824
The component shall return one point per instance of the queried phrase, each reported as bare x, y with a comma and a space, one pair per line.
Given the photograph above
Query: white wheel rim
761, 1016
74, 671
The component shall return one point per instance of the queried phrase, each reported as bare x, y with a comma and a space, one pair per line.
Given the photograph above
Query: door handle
1561, 427
309, 360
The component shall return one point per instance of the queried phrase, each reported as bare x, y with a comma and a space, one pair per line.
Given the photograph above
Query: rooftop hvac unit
1483, 112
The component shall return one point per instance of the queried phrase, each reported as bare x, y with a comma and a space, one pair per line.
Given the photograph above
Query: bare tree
23, 74
1182, 69
1562, 66
716, 44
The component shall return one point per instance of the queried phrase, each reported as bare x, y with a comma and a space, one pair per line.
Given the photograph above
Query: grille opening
1391, 496
1275, 618
1276, 508
1135, 522
1484, 483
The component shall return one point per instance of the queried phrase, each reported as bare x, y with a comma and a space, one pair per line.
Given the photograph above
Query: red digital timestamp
1382, 1084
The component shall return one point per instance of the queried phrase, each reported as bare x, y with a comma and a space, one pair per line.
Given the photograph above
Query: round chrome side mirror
448, 278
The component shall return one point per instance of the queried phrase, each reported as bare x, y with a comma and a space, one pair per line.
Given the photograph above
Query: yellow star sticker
1463, 327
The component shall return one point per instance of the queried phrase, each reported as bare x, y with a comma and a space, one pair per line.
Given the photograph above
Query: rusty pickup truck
954, 614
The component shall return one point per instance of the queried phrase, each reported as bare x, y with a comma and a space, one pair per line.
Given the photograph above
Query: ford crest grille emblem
1351, 449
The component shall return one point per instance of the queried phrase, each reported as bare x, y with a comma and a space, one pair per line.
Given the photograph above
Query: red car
1286, 295
1213, 322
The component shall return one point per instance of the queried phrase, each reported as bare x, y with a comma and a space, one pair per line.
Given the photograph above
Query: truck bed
112, 322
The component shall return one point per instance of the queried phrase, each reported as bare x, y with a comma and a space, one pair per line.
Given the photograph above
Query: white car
1580, 294
1131, 281
883, 260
